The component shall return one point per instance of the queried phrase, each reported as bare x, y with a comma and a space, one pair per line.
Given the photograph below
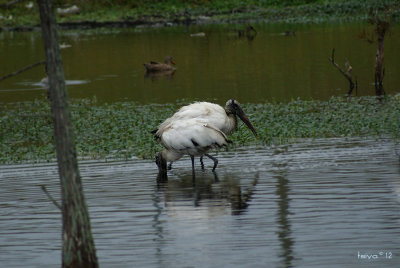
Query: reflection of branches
284, 230
156, 219
241, 200
282, 191
157, 223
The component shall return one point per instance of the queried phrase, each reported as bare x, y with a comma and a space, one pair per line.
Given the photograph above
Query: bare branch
346, 73
22, 70
381, 27
50, 197
11, 3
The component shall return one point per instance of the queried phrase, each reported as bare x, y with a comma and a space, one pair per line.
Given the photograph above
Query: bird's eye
235, 104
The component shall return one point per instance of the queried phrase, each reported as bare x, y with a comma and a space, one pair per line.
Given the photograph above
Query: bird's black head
162, 167
233, 107
169, 60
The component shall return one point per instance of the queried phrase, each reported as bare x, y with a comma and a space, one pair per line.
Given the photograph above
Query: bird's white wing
199, 109
213, 114
192, 136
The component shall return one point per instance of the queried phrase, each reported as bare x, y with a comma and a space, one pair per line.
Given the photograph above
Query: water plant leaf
123, 130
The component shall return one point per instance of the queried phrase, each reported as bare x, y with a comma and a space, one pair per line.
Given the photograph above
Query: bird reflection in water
209, 191
163, 74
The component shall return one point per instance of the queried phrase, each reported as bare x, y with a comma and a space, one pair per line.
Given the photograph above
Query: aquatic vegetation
122, 130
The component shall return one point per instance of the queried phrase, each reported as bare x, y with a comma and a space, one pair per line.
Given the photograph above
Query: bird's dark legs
213, 159
215, 177
201, 162
192, 157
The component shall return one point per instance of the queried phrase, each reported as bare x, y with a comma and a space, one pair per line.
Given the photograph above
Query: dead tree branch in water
381, 27
11, 3
346, 73
44, 189
78, 249
22, 70
250, 32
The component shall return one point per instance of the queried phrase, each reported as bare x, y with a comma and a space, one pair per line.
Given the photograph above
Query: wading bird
160, 67
193, 137
213, 115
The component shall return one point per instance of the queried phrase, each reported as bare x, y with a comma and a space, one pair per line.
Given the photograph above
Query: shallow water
219, 66
316, 203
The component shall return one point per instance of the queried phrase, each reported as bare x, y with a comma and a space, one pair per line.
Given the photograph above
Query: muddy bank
113, 24
20, 19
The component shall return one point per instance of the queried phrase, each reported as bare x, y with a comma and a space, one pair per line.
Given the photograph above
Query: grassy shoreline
121, 131
164, 13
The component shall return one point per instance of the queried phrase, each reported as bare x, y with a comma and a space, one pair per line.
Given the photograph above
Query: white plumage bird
193, 137
215, 115
196, 128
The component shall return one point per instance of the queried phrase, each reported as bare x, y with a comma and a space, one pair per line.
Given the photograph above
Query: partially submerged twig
346, 73
11, 3
22, 70
381, 27
250, 32
50, 197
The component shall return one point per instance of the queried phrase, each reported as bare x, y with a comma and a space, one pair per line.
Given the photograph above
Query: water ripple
315, 203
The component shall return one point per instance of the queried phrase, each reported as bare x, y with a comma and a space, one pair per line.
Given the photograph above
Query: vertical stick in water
77, 241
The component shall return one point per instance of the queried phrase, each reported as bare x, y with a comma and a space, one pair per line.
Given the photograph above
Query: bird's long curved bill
246, 120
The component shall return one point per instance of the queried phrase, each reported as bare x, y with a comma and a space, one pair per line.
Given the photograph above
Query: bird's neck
233, 122
162, 170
